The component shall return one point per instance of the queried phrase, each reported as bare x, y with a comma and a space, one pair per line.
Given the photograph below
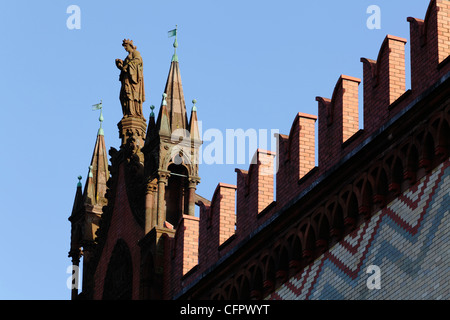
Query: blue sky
249, 64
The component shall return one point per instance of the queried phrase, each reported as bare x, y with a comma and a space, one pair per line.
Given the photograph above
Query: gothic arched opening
119, 276
176, 194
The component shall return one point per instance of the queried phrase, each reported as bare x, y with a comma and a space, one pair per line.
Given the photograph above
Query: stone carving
132, 93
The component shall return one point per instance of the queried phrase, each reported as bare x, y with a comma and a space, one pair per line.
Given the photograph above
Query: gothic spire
95, 188
176, 106
76, 222
193, 123
77, 209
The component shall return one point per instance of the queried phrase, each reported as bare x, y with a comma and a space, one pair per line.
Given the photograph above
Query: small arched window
119, 276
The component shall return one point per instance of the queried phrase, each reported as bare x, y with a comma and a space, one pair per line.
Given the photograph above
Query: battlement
218, 222
296, 155
384, 81
237, 211
338, 119
430, 46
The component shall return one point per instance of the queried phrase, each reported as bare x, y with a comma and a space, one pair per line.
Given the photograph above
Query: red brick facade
121, 226
245, 244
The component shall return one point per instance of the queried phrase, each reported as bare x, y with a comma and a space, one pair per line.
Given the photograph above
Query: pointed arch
366, 206
233, 295
323, 230
397, 170
309, 241
242, 284
217, 295
351, 211
427, 157
443, 140
294, 244
256, 289
176, 193
269, 273
282, 272
412, 163
335, 212
148, 287
119, 275
381, 186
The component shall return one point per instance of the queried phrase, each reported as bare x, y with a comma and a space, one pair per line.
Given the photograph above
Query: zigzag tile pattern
408, 240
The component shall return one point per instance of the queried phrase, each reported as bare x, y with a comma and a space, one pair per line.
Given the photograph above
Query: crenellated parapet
218, 221
384, 81
296, 155
338, 119
330, 176
255, 189
430, 45
186, 247
239, 212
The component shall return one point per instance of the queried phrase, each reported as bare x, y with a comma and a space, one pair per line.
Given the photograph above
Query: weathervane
173, 33
99, 106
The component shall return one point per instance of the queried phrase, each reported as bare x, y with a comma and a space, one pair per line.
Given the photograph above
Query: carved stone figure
132, 93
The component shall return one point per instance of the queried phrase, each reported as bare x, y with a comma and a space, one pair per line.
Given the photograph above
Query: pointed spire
193, 123
76, 221
77, 209
163, 123
95, 188
152, 130
176, 106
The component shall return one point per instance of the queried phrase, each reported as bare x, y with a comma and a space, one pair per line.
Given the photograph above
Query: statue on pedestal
132, 93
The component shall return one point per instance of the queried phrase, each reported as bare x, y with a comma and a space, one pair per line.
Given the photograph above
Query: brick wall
295, 155
185, 251
430, 44
254, 191
384, 81
408, 241
338, 120
385, 99
404, 238
122, 226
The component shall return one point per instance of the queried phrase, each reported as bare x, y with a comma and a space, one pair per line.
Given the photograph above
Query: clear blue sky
249, 64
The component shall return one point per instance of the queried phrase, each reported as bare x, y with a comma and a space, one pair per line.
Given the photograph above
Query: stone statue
132, 93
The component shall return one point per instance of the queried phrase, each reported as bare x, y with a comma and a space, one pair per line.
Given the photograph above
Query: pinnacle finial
194, 108
152, 114
175, 43
164, 103
91, 175
79, 181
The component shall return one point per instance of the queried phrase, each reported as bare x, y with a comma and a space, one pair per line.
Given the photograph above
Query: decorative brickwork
379, 195
122, 228
405, 240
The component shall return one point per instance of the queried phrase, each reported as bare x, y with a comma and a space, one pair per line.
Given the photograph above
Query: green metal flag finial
173, 33
79, 181
152, 114
99, 106
194, 108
